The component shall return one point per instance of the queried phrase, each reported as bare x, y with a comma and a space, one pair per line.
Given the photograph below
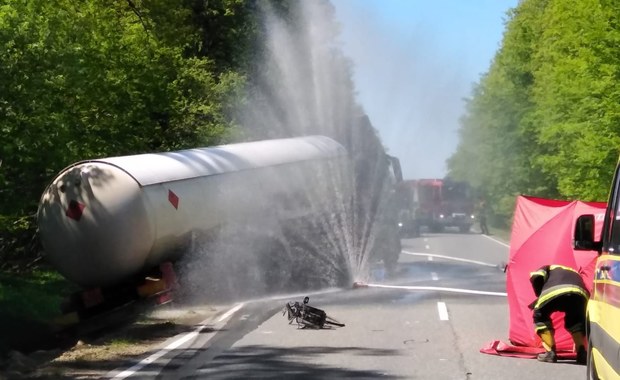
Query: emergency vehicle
603, 312
436, 204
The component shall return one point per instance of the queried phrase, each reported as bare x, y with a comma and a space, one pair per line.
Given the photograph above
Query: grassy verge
28, 301
36, 294
501, 233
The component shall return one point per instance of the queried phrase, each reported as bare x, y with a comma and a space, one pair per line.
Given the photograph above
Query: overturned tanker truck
123, 227
118, 226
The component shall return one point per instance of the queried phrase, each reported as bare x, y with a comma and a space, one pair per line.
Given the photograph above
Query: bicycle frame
307, 316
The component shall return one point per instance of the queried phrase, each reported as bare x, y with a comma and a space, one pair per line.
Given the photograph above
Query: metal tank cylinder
103, 221
95, 225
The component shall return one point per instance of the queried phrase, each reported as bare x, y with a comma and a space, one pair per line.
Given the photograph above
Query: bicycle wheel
313, 319
331, 321
290, 314
307, 324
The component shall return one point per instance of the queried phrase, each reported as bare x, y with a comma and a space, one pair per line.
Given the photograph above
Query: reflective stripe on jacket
557, 280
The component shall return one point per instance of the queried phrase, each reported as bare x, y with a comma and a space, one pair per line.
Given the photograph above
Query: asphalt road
429, 322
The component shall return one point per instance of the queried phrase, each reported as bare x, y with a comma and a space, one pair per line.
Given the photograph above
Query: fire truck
435, 204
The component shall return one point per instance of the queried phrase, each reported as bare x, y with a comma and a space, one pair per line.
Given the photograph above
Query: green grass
120, 342
28, 302
500, 233
36, 295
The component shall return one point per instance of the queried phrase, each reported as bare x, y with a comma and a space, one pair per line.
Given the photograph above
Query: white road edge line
443, 311
175, 344
440, 289
230, 312
497, 241
449, 258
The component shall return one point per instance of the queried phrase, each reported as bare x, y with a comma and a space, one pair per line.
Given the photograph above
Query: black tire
308, 323
390, 261
416, 231
331, 321
313, 317
290, 313
436, 228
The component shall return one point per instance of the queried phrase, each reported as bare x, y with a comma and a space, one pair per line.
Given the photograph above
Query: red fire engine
435, 204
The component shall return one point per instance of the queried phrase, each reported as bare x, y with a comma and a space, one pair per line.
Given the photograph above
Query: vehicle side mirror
583, 238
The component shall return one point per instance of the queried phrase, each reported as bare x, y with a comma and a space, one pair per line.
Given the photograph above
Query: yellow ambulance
604, 306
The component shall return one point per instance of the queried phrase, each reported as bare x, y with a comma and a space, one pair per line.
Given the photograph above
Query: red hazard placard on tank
173, 199
75, 209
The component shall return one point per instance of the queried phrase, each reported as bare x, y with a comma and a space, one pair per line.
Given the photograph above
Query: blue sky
414, 62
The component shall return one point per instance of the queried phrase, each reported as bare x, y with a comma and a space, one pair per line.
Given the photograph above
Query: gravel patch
93, 357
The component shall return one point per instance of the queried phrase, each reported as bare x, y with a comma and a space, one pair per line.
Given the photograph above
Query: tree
577, 97
96, 78
544, 120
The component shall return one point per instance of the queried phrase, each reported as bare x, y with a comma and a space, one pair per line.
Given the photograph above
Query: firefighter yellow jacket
552, 281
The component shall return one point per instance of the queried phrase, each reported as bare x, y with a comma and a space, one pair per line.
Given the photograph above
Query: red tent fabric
542, 233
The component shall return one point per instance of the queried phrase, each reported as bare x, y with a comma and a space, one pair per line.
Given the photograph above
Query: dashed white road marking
439, 289
431, 255
443, 311
427, 246
434, 276
175, 344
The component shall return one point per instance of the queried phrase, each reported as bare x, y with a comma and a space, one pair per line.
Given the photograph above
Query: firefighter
481, 210
559, 288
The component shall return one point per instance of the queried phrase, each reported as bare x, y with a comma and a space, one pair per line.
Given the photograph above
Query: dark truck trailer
386, 245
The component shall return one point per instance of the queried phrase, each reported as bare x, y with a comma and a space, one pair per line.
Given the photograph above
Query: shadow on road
264, 362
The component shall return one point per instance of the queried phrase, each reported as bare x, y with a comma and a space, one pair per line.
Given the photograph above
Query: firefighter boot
582, 355
548, 341
548, 357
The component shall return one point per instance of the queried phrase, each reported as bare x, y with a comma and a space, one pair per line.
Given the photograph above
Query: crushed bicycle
307, 316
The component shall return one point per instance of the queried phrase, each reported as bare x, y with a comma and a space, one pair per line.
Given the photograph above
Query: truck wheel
390, 260
436, 228
464, 229
416, 230
391, 265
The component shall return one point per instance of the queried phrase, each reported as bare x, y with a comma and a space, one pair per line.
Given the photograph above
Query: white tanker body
102, 221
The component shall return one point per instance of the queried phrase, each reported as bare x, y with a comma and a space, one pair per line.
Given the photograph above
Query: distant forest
545, 119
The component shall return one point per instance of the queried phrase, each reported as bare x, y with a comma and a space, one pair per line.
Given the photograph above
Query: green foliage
17, 242
577, 98
543, 120
28, 302
86, 79
36, 294
97, 78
